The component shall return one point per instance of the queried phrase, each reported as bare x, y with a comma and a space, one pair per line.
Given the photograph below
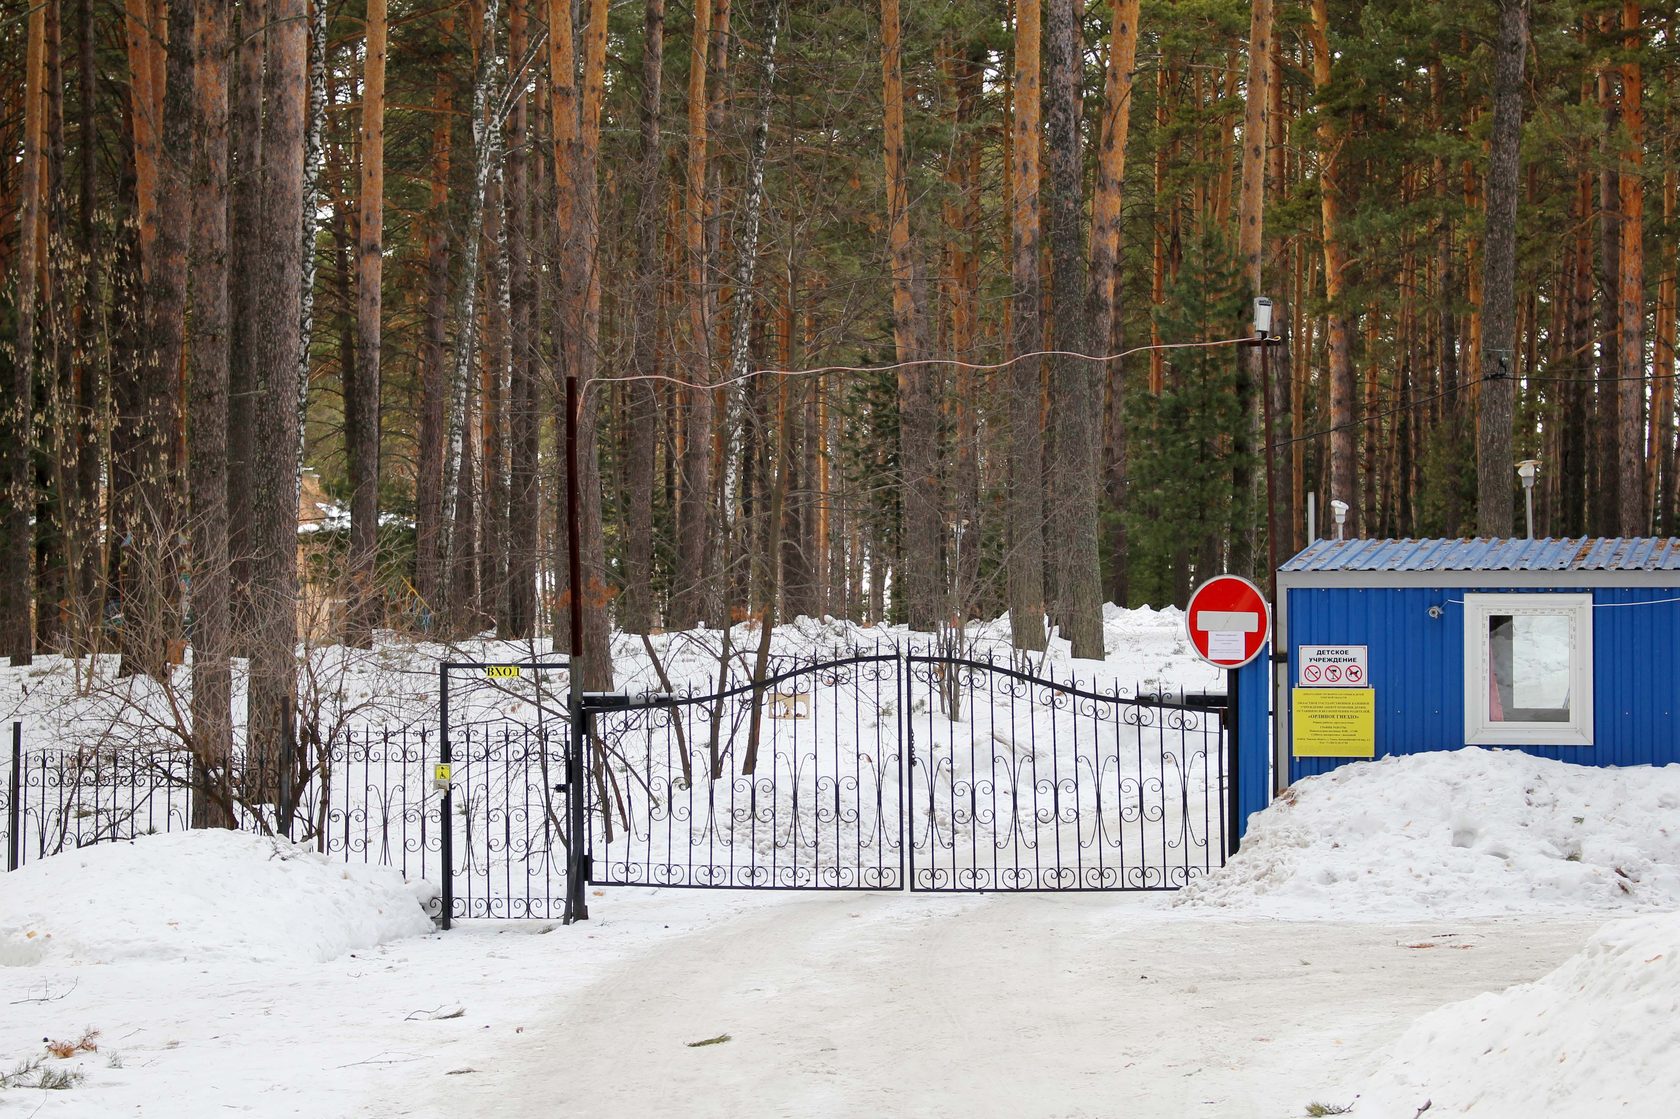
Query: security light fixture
1262, 317
1527, 469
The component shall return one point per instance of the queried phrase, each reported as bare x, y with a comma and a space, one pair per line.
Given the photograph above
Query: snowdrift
201, 895
1465, 832
1595, 1037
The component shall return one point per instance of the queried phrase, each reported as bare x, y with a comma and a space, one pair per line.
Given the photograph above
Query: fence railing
879, 769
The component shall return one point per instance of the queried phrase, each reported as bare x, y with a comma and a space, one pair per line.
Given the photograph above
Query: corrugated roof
1585, 553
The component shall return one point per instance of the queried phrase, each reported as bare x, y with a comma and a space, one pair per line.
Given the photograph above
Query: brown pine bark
1344, 436
434, 359
273, 537
207, 468
1633, 516
17, 628
523, 427
361, 391
1664, 493
1025, 565
1497, 360
1075, 383
1284, 300
597, 659
1607, 477
1106, 336
245, 154
1250, 240
917, 395
692, 578
636, 613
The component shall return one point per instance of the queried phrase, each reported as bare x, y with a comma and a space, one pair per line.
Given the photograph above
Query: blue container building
1565, 649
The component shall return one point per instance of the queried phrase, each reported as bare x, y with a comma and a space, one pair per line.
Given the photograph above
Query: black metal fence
874, 770
366, 799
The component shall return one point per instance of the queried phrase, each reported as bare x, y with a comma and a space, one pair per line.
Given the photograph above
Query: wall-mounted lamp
1339, 510
1527, 469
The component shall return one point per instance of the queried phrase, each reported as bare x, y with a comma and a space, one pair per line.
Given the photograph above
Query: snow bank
1462, 832
1595, 1037
201, 895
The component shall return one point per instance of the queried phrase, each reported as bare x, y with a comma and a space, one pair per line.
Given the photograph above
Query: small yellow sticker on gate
440, 776
501, 671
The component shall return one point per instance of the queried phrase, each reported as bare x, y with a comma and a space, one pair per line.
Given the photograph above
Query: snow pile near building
200, 895
1459, 833
1595, 1037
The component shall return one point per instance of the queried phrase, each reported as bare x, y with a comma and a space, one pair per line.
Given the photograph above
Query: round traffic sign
1228, 621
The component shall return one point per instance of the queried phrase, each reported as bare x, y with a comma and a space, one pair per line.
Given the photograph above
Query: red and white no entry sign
1228, 621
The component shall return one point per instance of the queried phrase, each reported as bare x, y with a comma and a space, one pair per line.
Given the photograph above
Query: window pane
1528, 668
1540, 669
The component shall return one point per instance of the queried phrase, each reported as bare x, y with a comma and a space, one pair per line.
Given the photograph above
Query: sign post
1228, 622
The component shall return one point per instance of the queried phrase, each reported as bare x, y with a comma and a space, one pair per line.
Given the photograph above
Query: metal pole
1233, 721
446, 826
14, 810
577, 892
1528, 496
1271, 469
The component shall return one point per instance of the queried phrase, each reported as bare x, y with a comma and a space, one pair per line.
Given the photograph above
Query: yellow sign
1334, 722
441, 774
502, 671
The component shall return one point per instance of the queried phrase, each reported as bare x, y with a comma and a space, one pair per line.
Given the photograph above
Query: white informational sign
1225, 645
1333, 666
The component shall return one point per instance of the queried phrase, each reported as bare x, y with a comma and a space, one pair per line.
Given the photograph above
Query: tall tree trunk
1251, 212
523, 426
1075, 383
1497, 359
1665, 487
1606, 491
207, 468
90, 332
1106, 335
1284, 300
245, 155
314, 154
1633, 517
1026, 438
637, 613
1344, 435
18, 637
918, 419
434, 362
746, 287
693, 575
273, 686
460, 564
361, 393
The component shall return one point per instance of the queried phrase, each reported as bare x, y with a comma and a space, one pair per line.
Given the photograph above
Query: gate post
14, 810
447, 826
577, 888
1233, 741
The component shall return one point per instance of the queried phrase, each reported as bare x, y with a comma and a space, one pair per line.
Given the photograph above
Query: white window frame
1479, 729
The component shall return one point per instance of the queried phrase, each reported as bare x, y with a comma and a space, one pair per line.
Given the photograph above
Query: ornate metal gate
905, 770
1018, 782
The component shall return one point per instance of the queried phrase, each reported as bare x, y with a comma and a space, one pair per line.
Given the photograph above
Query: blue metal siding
1254, 762
1417, 668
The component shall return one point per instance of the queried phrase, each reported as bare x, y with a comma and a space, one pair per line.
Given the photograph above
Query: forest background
914, 312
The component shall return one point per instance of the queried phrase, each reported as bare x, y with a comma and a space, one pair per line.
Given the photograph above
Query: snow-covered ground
1360, 952
1464, 832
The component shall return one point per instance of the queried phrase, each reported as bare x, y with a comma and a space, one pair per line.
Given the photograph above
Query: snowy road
999, 1005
